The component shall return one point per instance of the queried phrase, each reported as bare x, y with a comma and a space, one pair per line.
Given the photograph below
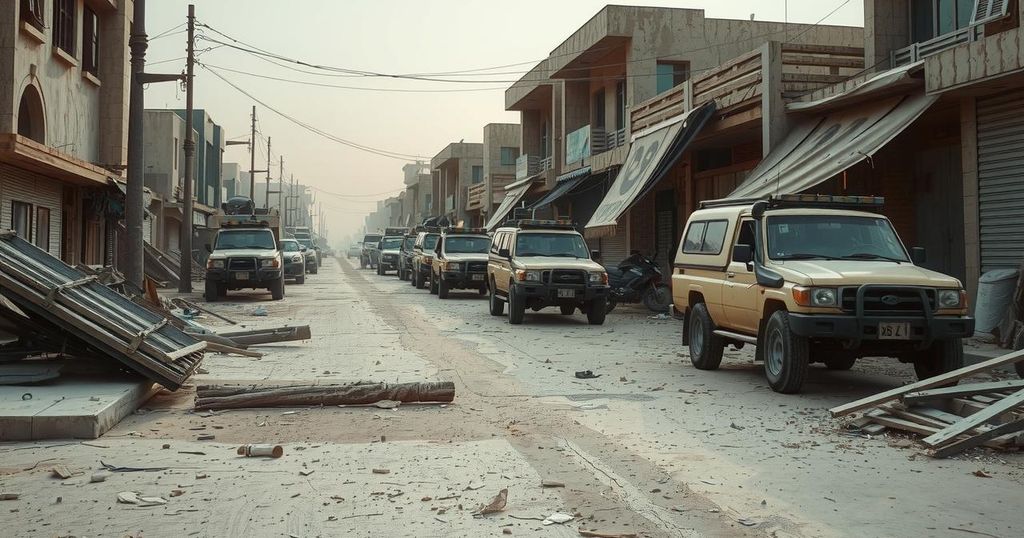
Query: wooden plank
950, 433
726, 77
753, 55
917, 418
823, 61
811, 77
978, 440
937, 381
221, 348
834, 50
905, 425
186, 351
962, 390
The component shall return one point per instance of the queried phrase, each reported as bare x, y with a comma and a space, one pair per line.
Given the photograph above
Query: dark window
545, 149
933, 18
64, 25
466, 245
43, 228
32, 13
245, 239
430, 241
705, 237
478, 174
90, 41
746, 236
509, 156
599, 116
671, 74
709, 159
291, 246
620, 105
21, 220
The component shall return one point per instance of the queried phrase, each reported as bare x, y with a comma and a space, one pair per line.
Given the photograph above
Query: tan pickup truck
809, 278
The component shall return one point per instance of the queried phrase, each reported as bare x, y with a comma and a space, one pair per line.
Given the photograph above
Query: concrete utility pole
252, 158
185, 269
280, 186
266, 198
134, 211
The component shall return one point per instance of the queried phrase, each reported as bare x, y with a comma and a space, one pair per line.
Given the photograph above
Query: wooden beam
977, 440
823, 61
950, 433
962, 390
834, 50
937, 381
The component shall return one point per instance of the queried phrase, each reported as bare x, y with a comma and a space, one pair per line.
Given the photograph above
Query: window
552, 245
478, 174
21, 220
43, 228
545, 147
466, 245
245, 239
509, 156
671, 74
32, 13
64, 25
810, 237
498, 238
705, 237
597, 120
620, 104
90, 42
933, 18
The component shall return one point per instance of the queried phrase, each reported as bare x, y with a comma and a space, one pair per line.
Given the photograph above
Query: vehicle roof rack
782, 201
465, 231
395, 231
535, 224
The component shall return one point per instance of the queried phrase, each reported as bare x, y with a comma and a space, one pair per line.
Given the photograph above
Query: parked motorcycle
637, 279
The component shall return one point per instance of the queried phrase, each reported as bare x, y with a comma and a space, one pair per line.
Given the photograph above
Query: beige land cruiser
536, 263
810, 278
460, 261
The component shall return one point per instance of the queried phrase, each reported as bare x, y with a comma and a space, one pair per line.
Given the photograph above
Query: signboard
577, 145
523, 166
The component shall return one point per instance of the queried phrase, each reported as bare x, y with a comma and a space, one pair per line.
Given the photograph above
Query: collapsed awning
652, 153
819, 148
901, 79
514, 192
563, 185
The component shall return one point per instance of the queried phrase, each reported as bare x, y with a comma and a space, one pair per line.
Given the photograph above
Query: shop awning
564, 185
899, 80
514, 192
652, 153
819, 148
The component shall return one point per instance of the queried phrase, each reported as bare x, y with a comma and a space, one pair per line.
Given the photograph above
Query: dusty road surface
652, 447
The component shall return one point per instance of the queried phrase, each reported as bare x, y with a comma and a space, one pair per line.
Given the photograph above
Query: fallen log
268, 336
214, 391
349, 394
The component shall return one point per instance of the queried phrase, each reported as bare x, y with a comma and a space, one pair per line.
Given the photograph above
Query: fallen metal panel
51, 290
513, 193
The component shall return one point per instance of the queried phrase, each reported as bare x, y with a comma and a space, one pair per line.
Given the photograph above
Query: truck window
235, 239
694, 237
833, 237
391, 243
466, 245
746, 236
705, 237
555, 245
430, 241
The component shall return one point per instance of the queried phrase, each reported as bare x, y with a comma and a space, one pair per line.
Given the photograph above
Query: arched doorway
31, 121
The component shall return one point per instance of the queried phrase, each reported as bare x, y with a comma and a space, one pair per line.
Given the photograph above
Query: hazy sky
384, 36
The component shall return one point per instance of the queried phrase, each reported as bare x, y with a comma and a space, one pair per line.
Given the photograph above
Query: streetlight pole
133, 269
185, 269
252, 158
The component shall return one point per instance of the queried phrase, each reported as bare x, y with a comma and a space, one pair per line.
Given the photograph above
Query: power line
361, 88
167, 31
346, 196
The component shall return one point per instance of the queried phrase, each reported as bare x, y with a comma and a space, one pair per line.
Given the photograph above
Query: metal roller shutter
615, 248
39, 191
1001, 180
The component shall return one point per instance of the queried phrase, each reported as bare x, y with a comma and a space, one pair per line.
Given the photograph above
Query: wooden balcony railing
476, 196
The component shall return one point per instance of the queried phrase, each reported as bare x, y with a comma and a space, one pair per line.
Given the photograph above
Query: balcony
527, 165
602, 140
924, 49
736, 86
476, 196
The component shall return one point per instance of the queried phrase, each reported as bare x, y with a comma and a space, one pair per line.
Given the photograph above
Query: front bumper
259, 278
922, 328
549, 294
294, 269
463, 280
389, 262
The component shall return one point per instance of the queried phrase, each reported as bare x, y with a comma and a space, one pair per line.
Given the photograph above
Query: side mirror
302, 249
504, 253
595, 255
742, 254
208, 249
918, 255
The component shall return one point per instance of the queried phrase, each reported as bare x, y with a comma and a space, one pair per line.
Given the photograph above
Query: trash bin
995, 293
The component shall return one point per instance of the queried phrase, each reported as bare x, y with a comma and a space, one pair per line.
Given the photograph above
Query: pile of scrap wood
951, 418
358, 393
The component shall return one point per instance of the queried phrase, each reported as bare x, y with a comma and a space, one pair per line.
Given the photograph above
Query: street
651, 447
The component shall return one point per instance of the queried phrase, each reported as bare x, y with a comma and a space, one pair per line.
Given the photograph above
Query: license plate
562, 294
242, 276
478, 277
893, 331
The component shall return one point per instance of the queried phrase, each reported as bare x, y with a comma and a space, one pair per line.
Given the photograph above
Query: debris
192, 452
506, 530
426, 499
255, 451
381, 471
596, 534
177, 492
9, 496
206, 437
587, 374
200, 476
116, 469
387, 404
473, 486
231, 350
557, 518
981, 474
259, 311
166, 446
132, 497
99, 476
269, 336
551, 484
183, 304
747, 522
735, 427
306, 472
62, 472
496, 505
359, 393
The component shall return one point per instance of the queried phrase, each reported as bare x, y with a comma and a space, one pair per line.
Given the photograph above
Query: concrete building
63, 123
229, 181
418, 188
164, 135
210, 143
458, 166
501, 151
576, 106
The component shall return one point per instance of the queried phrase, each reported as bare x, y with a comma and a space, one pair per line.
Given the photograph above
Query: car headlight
599, 278
296, 258
527, 276
816, 296
214, 264
451, 266
951, 298
269, 262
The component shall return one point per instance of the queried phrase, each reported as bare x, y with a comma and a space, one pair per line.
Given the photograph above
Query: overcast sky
384, 36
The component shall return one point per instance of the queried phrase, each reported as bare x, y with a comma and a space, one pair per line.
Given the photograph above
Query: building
458, 166
209, 158
63, 124
164, 156
418, 188
577, 106
501, 151
230, 181
293, 199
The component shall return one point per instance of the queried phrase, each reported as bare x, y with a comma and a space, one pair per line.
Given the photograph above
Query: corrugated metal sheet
39, 191
615, 248
1001, 180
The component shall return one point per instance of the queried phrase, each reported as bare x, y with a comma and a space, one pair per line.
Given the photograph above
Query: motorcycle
638, 279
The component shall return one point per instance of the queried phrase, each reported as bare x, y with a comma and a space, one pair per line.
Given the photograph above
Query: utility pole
252, 158
185, 269
134, 211
266, 198
280, 186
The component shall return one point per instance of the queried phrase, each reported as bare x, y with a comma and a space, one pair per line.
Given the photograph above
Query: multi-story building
209, 158
501, 151
458, 166
230, 177
164, 156
418, 188
63, 123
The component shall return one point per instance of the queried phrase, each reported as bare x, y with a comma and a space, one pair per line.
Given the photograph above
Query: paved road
652, 447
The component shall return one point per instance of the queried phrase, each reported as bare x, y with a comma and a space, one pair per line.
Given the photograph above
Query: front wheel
442, 289
516, 307
657, 298
942, 357
567, 309
610, 305
417, 277
786, 355
497, 306
300, 279
596, 311
211, 292
277, 289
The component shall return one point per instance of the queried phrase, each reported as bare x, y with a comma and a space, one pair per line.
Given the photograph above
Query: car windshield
371, 239
558, 245
233, 239
833, 237
391, 243
467, 245
308, 243
430, 241
408, 243
290, 246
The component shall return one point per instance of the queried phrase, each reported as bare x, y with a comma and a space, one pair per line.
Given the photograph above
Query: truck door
740, 293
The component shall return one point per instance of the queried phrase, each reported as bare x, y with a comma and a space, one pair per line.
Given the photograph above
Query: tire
222, 291
597, 310
496, 305
706, 347
483, 290
786, 355
516, 308
212, 292
567, 309
610, 305
362, 263
418, 279
433, 284
380, 270
942, 357
840, 362
657, 298
300, 279
442, 290
277, 289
